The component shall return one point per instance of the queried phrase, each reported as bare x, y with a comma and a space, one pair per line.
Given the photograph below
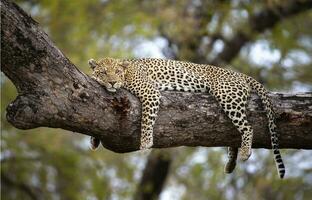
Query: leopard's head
109, 72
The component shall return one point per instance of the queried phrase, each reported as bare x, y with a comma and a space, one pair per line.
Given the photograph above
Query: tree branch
151, 175
33, 192
154, 175
52, 92
260, 21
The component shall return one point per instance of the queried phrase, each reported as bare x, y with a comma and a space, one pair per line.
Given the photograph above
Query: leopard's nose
113, 82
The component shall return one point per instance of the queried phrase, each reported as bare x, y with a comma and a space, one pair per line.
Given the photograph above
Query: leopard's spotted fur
147, 77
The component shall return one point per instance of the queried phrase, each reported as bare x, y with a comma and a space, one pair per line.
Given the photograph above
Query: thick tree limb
54, 93
258, 23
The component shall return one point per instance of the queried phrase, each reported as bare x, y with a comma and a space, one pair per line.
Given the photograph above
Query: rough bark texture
259, 22
54, 93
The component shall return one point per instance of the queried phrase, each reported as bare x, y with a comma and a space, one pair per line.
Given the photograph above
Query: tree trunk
52, 92
154, 175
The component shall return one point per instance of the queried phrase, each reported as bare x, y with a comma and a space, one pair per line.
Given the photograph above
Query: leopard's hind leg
232, 96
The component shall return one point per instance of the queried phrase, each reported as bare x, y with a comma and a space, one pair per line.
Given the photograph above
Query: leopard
146, 78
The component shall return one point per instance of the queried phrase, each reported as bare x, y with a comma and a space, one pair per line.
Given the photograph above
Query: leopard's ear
92, 63
124, 64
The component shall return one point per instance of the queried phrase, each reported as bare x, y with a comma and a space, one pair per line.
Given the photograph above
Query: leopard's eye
101, 73
118, 71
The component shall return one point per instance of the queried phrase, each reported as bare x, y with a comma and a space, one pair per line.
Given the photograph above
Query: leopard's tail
263, 94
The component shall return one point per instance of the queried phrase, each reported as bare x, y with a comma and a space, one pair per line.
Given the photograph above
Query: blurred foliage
48, 163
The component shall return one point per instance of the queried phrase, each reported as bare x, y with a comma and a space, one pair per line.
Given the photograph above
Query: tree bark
259, 22
52, 92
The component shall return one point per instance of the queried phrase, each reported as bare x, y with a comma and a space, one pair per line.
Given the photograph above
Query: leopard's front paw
244, 153
146, 145
94, 143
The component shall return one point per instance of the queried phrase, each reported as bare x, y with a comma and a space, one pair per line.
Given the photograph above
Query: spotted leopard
147, 77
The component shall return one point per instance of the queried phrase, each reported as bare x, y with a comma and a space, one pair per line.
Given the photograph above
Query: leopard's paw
244, 153
146, 145
94, 143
